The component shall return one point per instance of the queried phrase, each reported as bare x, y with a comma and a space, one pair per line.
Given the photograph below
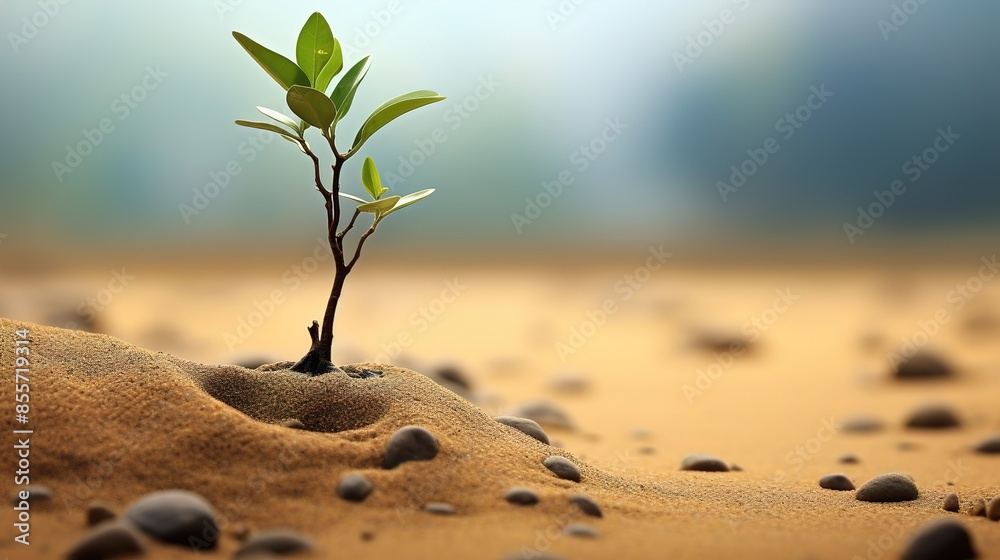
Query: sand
115, 422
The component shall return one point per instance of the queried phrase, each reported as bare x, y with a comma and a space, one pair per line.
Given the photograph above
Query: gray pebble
862, 424
354, 487
836, 481
545, 413
989, 445
440, 508
942, 539
951, 503
276, 541
410, 443
581, 530
35, 494
569, 384
452, 378
176, 516
923, 365
890, 487
586, 505
521, 496
99, 512
110, 540
993, 509
933, 416
703, 462
563, 468
293, 423
978, 508
529, 427
848, 459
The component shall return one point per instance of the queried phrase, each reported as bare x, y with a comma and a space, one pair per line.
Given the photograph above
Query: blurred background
816, 180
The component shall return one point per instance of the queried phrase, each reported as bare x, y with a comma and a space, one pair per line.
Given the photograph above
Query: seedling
318, 60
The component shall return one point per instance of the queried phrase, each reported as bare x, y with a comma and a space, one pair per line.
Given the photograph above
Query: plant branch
361, 243
350, 225
316, 172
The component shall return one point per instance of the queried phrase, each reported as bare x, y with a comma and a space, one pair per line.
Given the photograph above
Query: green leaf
378, 207
408, 200
371, 179
332, 68
314, 47
284, 71
281, 118
390, 110
312, 106
343, 94
354, 198
269, 127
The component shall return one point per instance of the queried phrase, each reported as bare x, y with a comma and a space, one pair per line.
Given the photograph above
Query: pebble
932, 416
640, 433
993, 509
950, 503
569, 384
452, 378
563, 467
521, 496
586, 505
277, 541
110, 540
581, 530
293, 423
722, 342
836, 481
410, 443
978, 508
862, 424
174, 516
703, 462
848, 459
354, 487
99, 512
890, 487
923, 365
36, 494
440, 508
545, 413
942, 539
529, 427
989, 445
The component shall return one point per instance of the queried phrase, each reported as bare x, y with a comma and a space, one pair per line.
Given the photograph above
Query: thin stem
361, 243
354, 218
316, 172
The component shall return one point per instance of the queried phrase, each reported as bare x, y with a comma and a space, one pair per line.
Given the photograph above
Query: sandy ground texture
114, 422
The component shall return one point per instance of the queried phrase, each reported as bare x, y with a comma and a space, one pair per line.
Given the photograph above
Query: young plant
318, 60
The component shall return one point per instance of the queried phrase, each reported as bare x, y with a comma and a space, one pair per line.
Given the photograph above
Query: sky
568, 123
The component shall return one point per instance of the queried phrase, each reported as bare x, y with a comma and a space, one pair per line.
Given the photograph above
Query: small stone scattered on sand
354, 487
452, 378
545, 413
640, 433
735, 468
950, 503
410, 443
569, 384
993, 509
176, 517
529, 427
848, 459
836, 481
276, 541
440, 508
923, 365
941, 539
521, 496
580, 530
862, 424
703, 462
293, 423
35, 494
721, 341
890, 487
563, 467
586, 505
110, 540
989, 445
933, 416
99, 512
978, 508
